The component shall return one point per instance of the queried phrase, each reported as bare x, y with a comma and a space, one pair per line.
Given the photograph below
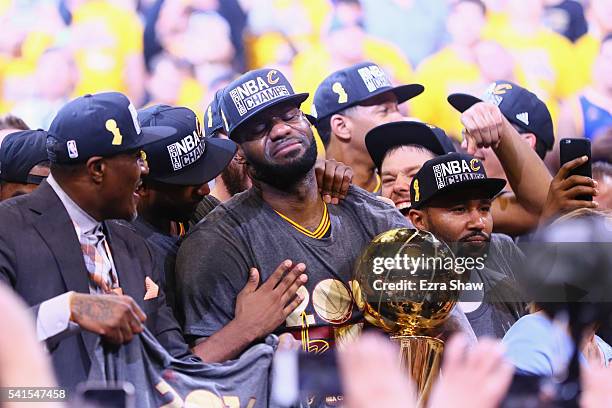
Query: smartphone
299, 376
99, 395
570, 149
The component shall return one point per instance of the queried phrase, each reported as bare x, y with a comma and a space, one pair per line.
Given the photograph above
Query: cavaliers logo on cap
270, 78
500, 89
256, 92
494, 92
474, 165
339, 90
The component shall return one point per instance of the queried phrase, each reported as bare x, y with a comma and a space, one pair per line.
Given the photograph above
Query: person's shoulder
506, 246
228, 215
504, 243
13, 209
358, 196
502, 239
529, 327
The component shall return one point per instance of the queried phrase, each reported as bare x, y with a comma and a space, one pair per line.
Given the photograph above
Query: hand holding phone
572, 187
571, 149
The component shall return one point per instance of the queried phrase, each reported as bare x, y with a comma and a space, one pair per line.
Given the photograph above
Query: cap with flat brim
401, 92
298, 99
406, 92
490, 188
150, 134
385, 137
462, 102
217, 156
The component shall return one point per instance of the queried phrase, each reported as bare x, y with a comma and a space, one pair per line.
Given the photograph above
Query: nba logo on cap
73, 153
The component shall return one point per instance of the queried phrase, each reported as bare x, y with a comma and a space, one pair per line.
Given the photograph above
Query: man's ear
96, 166
340, 127
530, 138
418, 218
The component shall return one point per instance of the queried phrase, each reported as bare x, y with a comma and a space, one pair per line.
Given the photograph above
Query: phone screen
570, 149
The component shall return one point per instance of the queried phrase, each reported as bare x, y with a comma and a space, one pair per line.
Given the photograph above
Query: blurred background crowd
179, 52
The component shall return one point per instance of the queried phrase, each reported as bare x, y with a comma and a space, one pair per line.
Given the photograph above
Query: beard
235, 178
284, 176
466, 248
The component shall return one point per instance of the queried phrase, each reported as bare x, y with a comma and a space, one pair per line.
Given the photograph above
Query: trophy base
420, 356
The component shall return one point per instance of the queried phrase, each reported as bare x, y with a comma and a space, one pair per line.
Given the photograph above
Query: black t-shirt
216, 256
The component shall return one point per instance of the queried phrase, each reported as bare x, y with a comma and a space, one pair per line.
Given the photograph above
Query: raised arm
528, 176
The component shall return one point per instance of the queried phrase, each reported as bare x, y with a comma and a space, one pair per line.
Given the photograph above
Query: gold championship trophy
402, 285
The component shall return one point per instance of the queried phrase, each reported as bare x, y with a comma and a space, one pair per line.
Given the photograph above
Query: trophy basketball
403, 284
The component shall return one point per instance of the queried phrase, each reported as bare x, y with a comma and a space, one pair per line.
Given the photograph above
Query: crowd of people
152, 51
160, 211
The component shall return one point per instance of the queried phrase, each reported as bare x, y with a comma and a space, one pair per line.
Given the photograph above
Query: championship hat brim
217, 156
462, 102
490, 188
406, 92
298, 99
150, 134
385, 137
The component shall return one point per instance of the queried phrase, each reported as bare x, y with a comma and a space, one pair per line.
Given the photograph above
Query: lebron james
281, 217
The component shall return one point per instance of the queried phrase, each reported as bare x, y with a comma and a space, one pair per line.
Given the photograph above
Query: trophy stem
420, 356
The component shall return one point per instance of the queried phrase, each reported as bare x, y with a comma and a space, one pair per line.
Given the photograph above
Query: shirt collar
82, 221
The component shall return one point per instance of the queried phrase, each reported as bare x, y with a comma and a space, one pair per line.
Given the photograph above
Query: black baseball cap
353, 85
385, 137
252, 93
103, 124
19, 152
448, 173
212, 116
520, 107
185, 158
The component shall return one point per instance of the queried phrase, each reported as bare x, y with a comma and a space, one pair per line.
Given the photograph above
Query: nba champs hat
520, 107
103, 124
350, 86
186, 157
448, 173
385, 137
252, 93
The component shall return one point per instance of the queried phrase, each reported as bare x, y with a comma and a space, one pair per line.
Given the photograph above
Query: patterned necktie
97, 261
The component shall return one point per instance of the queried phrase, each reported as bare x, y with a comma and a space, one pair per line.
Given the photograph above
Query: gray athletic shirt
214, 260
502, 303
